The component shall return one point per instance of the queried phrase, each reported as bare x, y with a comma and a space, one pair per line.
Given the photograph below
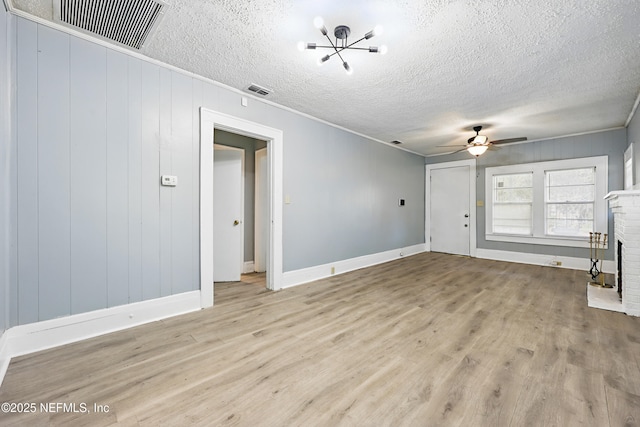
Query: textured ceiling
538, 69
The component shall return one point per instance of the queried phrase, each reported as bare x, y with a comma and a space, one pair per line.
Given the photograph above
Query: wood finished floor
427, 340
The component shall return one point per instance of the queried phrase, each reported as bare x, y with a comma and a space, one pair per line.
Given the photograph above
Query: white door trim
259, 213
210, 120
472, 201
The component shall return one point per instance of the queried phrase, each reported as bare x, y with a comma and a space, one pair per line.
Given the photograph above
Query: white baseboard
32, 337
248, 267
5, 357
572, 263
306, 275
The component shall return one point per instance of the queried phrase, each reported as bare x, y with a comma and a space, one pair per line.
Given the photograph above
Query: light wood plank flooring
427, 340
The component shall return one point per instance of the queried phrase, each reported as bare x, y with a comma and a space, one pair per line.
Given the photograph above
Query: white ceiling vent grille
258, 90
127, 22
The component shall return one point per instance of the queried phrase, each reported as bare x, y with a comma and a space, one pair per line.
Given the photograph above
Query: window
512, 200
628, 168
549, 203
570, 202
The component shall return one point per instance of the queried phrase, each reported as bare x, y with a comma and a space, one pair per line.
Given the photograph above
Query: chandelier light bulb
318, 22
378, 30
383, 49
301, 46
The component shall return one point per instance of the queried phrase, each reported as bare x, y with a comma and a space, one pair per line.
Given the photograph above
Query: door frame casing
260, 220
210, 120
471, 163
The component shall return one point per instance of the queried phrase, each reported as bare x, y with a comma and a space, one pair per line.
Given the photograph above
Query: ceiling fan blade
508, 140
459, 151
451, 146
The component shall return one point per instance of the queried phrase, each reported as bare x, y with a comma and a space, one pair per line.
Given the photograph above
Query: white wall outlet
333, 270
244, 101
169, 180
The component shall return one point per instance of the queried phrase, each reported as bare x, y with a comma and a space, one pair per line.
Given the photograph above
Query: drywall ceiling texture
536, 69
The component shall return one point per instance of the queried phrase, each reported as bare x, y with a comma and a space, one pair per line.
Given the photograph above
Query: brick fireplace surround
625, 206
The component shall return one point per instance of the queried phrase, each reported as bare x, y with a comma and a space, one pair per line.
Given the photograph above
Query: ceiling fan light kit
342, 33
478, 144
477, 149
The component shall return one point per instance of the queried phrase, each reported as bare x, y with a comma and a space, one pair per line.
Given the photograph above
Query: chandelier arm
334, 48
355, 42
342, 48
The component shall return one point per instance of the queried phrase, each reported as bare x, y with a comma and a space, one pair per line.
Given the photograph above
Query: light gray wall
344, 197
633, 136
249, 147
610, 143
5, 168
95, 129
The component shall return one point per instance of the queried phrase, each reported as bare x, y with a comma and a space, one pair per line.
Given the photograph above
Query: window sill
548, 241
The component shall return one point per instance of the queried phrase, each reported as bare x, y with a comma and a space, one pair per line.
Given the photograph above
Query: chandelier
342, 33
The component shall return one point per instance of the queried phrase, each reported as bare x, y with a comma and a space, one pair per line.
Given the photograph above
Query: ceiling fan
478, 144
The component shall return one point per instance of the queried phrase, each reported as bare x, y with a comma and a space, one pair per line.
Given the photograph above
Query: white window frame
628, 168
539, 236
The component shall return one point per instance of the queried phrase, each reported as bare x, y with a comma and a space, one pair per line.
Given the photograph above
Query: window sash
569, 207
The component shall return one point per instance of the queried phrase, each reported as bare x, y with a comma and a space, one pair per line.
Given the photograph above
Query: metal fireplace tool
596, 246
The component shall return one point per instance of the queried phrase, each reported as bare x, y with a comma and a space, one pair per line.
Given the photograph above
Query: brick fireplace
625, 206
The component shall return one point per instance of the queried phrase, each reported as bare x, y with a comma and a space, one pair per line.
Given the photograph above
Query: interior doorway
209, 122
241, 201
450, 212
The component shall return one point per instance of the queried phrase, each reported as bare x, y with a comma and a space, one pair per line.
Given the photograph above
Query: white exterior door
450, 211
228, 215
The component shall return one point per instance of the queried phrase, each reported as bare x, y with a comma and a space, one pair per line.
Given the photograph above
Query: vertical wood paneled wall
5, 169
95, 130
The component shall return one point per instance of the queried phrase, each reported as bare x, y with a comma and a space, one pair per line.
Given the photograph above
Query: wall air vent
258, 90
127, 22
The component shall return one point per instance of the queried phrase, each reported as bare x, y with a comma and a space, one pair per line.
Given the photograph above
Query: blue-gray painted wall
5, 169
610, 143
94, 130
633, 135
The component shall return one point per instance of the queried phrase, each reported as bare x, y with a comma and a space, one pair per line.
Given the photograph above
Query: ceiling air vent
259, 90
127, 22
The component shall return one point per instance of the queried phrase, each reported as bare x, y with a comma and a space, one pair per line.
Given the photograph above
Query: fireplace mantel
621, 194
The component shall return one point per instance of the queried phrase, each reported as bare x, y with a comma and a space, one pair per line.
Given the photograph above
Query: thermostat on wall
169, 180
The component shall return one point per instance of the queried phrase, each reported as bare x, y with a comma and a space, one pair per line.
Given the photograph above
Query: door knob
236, 222
466, 225
466, 215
